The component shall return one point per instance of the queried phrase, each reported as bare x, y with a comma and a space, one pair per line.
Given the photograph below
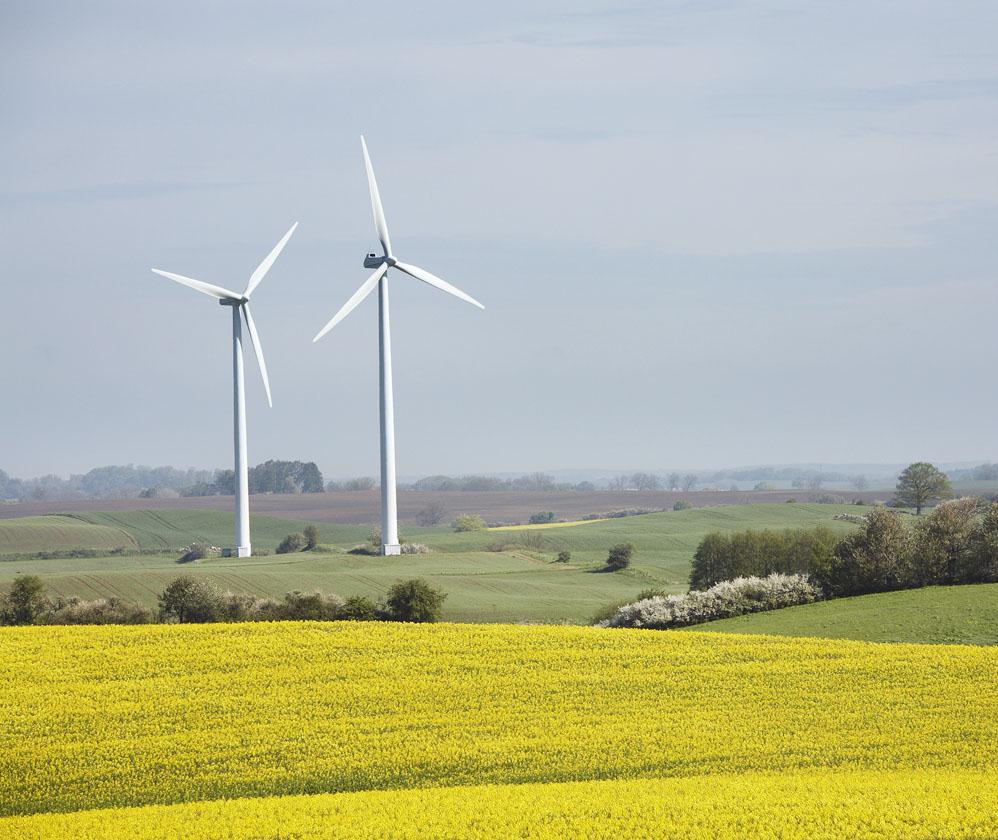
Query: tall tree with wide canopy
920, 484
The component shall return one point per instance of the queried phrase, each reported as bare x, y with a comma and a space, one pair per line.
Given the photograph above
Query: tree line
268, 477
954, 544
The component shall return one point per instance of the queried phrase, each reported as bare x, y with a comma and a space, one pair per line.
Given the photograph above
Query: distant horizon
868, 468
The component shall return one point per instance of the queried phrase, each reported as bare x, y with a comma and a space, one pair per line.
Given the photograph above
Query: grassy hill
60, 533
942, 614
505, 575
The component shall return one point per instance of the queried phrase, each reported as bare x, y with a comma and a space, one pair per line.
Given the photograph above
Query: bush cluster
192, 600
723, 600
621, 513
307, 540
469, 522
759, 553
956, 543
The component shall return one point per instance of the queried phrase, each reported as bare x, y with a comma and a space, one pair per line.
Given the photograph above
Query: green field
504, 575
938, 614
60, 533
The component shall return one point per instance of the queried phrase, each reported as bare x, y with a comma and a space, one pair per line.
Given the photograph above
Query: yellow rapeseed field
110, 717
818, 805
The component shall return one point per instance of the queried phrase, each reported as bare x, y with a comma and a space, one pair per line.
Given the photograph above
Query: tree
920, 484
981, 563
413, 600
673, 481
26, 601
943, 541
860, 483
432, 514
876, 558
311, 535
689, 482
188, 600
564, 556
541, 518
645, 481
619, 557
681, 504
710, 561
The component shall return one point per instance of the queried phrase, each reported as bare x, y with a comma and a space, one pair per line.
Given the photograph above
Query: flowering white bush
414, 548
723, 600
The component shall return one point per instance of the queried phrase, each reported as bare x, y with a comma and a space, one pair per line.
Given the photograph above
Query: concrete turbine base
244, 551
391, 550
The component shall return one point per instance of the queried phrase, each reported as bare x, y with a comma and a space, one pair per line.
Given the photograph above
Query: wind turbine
389, 515
240, 312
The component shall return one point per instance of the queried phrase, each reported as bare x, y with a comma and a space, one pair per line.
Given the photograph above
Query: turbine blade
200, 285
258, 349
264, 267
379, 214
351, 304
433, 280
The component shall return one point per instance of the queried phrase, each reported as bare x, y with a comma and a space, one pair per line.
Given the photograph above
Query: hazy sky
706, 233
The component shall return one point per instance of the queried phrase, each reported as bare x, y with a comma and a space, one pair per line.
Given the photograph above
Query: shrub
311, 535
99, 611
723, 600
541, 518
415, 548
619, 557
621, 513
413, 600
188, 600
358, 608
291, 543
25, 603
469, 522
197, 551
366, 549
564, 556
310, 606
682, 504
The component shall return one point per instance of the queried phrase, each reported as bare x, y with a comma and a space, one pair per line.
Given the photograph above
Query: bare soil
502, 506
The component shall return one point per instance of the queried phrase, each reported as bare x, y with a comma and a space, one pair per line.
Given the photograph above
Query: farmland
502, 575
499, 506
564, 724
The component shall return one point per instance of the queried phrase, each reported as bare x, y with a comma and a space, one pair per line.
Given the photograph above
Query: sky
706, 233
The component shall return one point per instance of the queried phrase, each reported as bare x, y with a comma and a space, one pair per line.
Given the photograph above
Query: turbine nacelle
387, 260
229, 298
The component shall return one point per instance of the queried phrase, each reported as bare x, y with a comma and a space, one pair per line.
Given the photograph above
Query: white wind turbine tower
240, 312
389, 515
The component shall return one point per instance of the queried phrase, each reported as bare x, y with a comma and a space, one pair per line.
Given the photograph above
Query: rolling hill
507, 575
938, 614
